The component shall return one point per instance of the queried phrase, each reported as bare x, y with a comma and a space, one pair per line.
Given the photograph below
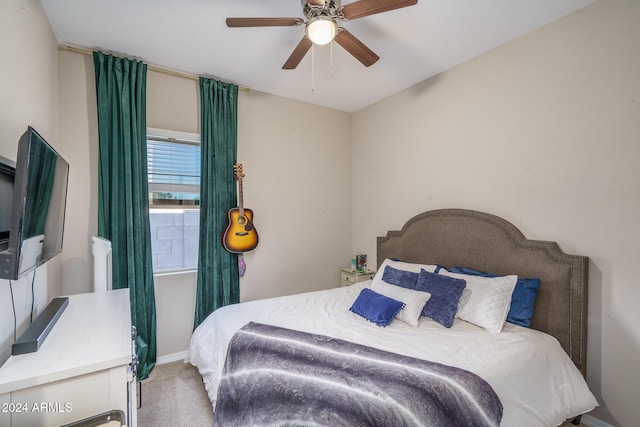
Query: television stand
81, 370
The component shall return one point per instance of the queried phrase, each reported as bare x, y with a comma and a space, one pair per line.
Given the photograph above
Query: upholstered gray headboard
458, 237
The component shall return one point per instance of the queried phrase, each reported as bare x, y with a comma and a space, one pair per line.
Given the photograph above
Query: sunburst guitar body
240, 234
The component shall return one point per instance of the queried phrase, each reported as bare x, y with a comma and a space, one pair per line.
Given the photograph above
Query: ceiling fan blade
361, 8
356, 48
298, 53
263, 22
315, 2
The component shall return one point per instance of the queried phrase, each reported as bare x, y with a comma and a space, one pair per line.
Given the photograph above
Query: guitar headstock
237, 169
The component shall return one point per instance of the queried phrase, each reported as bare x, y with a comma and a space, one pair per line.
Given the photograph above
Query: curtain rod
151, 67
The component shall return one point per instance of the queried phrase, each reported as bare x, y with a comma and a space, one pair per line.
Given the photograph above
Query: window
173, 163
173, 166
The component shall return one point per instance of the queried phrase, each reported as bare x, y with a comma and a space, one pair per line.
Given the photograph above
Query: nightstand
349, 277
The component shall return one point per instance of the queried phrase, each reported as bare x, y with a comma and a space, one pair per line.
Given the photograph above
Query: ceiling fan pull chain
331, 58
313, 56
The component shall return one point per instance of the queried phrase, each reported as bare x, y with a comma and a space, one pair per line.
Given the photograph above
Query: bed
537, 372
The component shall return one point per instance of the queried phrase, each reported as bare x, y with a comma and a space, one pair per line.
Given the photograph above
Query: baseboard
171, 358
593, 422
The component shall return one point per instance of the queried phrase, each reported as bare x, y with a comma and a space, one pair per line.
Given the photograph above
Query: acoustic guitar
240, 234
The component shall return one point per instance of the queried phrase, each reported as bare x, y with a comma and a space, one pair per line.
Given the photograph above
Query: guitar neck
240, 198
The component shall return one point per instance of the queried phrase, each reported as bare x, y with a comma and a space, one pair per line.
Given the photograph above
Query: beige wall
28, 96
79, 133
545, 132
297, 161
296, 158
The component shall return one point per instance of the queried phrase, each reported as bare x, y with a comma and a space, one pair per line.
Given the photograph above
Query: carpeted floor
174, 395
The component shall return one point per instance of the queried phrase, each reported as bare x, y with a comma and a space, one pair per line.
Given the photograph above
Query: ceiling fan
321, 26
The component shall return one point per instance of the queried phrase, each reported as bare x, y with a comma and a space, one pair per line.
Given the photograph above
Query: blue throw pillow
376, 308
402, 278
523, 298
445, 292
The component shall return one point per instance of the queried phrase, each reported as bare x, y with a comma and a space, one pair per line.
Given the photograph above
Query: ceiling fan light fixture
321, 30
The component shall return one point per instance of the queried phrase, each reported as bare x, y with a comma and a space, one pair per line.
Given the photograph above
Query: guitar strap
242, 267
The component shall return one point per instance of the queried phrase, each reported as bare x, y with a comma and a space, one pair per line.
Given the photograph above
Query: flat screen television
7, 177
35, 212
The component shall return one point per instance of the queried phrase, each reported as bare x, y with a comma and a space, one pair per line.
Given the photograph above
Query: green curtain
218, 278
123, 205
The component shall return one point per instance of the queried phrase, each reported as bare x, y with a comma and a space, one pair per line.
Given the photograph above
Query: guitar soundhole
242, 220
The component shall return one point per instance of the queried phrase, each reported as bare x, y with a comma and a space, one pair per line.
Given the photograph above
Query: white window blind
173, 166
173, 162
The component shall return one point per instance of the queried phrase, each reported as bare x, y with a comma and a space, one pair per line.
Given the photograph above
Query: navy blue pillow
376, 308
445, 292
402, 278
522, 300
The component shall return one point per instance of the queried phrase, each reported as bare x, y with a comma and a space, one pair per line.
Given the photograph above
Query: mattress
535, 379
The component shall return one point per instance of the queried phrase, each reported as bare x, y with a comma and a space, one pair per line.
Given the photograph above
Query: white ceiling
414, 43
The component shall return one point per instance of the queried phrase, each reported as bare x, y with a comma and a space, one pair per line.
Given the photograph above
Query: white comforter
534, 378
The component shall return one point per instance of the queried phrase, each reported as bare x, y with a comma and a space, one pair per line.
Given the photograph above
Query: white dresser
83, 368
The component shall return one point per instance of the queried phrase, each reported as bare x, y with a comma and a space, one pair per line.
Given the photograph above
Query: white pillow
400, 265
414, 301
486, 300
